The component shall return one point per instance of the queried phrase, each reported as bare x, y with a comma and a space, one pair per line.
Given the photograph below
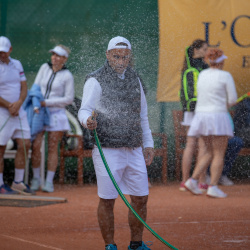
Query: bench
180, 140
78, 152
161, 151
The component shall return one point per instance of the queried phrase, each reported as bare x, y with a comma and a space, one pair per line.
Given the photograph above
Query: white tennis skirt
187, 119
206, 124
58, 121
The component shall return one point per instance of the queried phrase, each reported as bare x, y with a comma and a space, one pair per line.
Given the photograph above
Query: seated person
242, 121
233, 148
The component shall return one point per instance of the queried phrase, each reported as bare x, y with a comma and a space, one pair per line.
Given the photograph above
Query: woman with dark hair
212, 122
192, 66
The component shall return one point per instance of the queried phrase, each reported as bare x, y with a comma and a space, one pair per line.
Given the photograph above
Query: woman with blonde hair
57, 86
212, 123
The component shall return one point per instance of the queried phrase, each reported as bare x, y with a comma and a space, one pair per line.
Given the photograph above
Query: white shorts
13, 129
58, 121
206, 124
187, 119
128, 168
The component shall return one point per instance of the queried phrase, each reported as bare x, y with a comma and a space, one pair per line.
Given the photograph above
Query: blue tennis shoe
111, 247
5, 189
143, 246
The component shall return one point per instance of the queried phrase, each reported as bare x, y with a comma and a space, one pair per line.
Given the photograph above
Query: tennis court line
199, 222
31, 242
157, 224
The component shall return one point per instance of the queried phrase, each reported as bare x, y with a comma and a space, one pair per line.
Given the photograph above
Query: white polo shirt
11, 76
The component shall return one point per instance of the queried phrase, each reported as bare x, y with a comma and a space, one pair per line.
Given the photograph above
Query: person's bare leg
53, 139
139, 204
105, 214
36, 153
22, 154
187, 158
205, 159
219, 144
202, 178
201, 152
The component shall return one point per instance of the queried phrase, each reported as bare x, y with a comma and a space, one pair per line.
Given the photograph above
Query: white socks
36, 173
50, 176
19, 174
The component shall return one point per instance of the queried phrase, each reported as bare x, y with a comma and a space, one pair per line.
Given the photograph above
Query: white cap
119, 39
4, 44
219, 59
60, 51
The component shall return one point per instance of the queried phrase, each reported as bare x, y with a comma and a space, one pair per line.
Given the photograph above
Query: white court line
31, 242
88, 229
199, 222
157, 224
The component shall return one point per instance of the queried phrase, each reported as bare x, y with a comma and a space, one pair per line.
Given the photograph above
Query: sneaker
225, 181
215, 192
35, 184
192, 186
22, 188
111, 247
203, 186
182, 187
48, 187
143, 246
5, 189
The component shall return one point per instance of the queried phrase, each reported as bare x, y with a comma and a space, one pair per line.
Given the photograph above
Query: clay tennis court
183, 220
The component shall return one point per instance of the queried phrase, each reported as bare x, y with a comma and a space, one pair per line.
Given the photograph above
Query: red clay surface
182, 219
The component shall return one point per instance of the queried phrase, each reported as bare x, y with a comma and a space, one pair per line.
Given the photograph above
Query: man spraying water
116, 95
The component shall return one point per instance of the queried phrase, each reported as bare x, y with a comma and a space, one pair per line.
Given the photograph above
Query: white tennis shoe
35, 184
225, 181
192, 186
215, 192
48, 187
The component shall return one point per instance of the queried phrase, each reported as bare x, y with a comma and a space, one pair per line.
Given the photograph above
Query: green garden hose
25, 154
4, 123
24, 147
123, 197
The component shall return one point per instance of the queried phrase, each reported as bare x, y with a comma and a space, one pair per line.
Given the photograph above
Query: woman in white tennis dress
212, 122
57, 86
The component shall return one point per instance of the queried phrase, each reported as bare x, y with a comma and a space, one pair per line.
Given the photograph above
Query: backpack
188, 95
